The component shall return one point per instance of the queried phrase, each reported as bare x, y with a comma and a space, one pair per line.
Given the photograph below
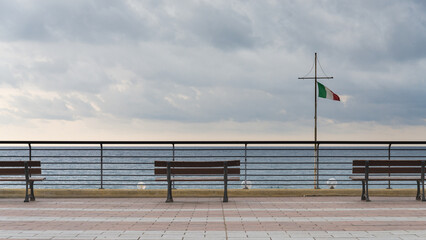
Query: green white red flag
324, 92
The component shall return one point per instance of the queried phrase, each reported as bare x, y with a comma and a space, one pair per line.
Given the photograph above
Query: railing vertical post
29, 151
173, 152
245, 166
102, 167
173, 159
389, 158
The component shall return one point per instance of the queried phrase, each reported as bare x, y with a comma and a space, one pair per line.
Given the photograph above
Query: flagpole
316, 145
316, 180
316, 86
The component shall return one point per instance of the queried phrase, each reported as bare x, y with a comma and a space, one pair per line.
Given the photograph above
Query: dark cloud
363, 32
223, 28
87, 21
200, 61
103, 22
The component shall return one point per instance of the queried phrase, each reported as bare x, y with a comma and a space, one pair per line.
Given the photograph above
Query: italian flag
324, 92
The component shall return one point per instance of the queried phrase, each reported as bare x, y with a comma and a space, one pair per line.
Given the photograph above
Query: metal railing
264, 164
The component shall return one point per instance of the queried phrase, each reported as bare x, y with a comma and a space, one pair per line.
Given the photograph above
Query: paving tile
205, 218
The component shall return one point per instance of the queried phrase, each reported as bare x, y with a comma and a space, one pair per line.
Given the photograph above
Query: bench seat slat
387, 170
386, 178
21, 178
197, 164
196, 171
19, 171
198, 179
385, 163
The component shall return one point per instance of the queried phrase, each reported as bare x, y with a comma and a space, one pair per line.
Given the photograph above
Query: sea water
261, 166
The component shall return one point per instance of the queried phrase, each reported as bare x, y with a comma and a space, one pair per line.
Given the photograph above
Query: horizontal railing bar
254, 182
209, 149
14, 149
15, 156
53, 149
65, 184
250, 163
63, 163
97, 156
296, 169
248, 169
71, 169
198, 149
288, 175
209, 184
217, 156
182, 184
151, 162
72, 180
72, 175
64, 156
98, 149
282, 184
142, 175
216, 142
360, 156
370, 149
147, 181
150, 175
210, 156
97, 163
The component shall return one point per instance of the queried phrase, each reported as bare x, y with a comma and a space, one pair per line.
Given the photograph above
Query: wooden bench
385, 170
200, 171
22, 171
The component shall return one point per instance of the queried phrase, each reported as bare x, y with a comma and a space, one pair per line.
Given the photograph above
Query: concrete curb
161, 193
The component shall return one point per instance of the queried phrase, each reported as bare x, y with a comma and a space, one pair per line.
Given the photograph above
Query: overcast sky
211, 70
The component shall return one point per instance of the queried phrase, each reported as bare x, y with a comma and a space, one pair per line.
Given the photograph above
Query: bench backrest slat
196, 171
384, 163
19, 171
388, 170
386, 166
197, 167
19, 163
18, 167
197, 164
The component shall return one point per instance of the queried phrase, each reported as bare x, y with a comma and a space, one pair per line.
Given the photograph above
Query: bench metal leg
418, 196
27, 199
367, 197
363, 191
225, 192
423, 191
32, 197
169, 192
169, 182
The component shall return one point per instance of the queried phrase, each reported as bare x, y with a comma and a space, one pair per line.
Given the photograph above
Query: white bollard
141, 185
245, 185
332, 183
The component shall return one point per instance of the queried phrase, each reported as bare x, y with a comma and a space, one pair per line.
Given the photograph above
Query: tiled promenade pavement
209, 218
